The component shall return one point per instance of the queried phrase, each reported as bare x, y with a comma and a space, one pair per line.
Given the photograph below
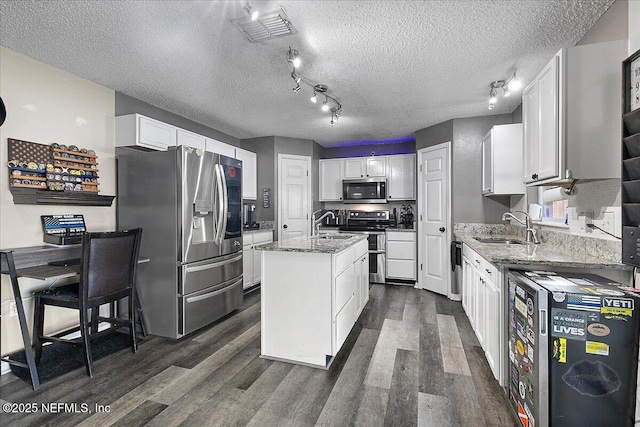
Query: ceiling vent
268, 26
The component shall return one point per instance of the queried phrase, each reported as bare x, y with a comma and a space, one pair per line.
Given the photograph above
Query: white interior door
434, 197
294, 191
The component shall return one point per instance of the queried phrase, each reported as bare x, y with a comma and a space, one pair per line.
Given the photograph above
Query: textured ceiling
396, 66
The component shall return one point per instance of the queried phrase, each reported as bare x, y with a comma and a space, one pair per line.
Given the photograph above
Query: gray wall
516, 115
406, 147
264, 148
469, 205
434, 135
127, 105
267, 149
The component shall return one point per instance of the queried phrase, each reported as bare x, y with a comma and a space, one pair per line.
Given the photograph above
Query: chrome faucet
315, 227
532, 233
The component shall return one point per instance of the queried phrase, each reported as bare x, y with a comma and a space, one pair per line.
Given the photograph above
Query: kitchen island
313, 290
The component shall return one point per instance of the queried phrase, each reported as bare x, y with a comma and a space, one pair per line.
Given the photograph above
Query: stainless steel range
374, 224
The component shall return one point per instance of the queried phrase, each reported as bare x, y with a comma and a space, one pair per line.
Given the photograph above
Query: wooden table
33, 262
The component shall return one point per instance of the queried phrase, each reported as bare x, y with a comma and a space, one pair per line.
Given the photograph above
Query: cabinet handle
441, 229
534, 176
477, 261
488, 271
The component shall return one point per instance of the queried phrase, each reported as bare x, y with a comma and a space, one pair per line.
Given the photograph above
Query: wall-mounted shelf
44, 197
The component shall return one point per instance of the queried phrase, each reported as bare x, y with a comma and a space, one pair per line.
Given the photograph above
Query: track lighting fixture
508, 85
252, 13
325, 106
293, 56
329, 104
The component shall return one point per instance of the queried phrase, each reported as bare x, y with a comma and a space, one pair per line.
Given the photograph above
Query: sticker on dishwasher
568, 324
559, 296
521, 306
617, 306
598, 329
599, 348
560, 350
520, 347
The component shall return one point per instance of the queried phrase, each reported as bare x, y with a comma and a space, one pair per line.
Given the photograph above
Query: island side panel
296, 306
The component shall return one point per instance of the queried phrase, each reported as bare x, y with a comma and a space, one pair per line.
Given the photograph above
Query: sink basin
332, 237
499, 240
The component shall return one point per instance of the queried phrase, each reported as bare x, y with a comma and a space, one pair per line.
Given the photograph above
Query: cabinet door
257, 266
249, 173
247, 267
531, 122
354, 168
220, 148
376, 167
465, 286
479, 307
487, 163
401, 177
364, 280
492, 327
191, 139
154, 134
330, 180
548, 129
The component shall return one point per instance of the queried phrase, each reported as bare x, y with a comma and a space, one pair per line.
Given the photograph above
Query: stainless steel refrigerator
189, 204
573, 350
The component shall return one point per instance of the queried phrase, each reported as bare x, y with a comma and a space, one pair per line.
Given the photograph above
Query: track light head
296, 78
293, 56
506, 91
297, 89
325, 105
314, 98
514, 84
252, 13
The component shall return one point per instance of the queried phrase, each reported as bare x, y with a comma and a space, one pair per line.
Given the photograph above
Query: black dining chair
107, 274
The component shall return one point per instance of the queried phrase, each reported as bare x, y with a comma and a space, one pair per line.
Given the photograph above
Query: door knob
285, 226
534, 176
441, 229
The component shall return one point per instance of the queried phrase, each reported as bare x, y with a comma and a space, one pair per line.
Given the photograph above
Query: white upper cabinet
502, 160
401, 177
249, 173
354, 168
137, 130
331, 180
572, 115
191, 139
218, 147
376, 167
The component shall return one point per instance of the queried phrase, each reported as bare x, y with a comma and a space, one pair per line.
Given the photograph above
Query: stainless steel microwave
370, 190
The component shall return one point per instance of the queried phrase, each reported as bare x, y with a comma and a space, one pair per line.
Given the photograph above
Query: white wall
634, 28
46, 105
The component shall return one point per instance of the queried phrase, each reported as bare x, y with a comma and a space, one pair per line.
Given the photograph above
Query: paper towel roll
554, 194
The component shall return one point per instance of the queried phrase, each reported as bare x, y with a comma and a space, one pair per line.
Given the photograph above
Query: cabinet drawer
401, 269
247, 239
401, 250
345, 287
361, 249
490, 270
468, 252
344, 260
344, 322
401, 236
478, 261
262, 237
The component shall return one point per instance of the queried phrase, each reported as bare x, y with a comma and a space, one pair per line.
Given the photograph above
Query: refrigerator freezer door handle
219, 186
225, 204
196, 268
213, 294
543, 322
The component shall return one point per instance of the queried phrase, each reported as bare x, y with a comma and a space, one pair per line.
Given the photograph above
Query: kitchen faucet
532, 234
315, 223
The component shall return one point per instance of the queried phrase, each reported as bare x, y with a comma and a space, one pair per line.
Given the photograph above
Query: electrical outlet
13, 310
584, 218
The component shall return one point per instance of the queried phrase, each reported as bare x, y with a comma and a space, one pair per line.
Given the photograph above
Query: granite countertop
544, 254
413, 230
314, 244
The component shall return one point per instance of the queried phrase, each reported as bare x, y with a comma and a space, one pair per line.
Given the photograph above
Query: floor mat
58, 359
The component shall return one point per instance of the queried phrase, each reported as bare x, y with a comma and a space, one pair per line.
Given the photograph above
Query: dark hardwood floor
411, 359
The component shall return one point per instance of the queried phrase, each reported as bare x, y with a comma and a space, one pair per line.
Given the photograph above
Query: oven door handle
378, 252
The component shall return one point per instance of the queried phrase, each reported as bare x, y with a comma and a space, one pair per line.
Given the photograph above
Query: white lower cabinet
482, 302
362, 281
252, 259
401, 255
